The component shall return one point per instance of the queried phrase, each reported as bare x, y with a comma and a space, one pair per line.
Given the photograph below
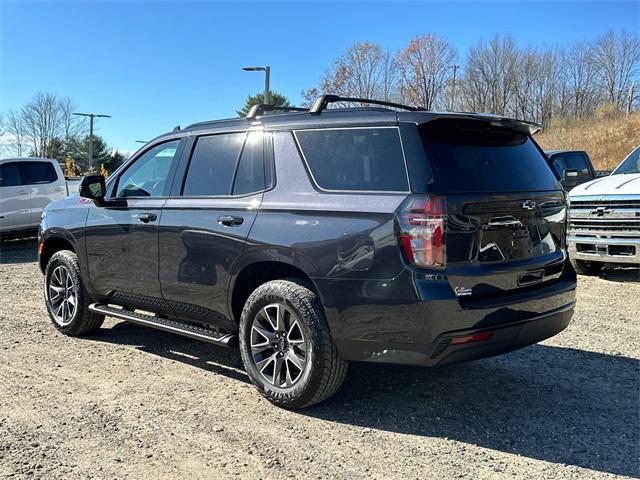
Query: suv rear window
472, 156
355, 158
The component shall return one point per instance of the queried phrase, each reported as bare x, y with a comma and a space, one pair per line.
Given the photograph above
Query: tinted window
631, 164
212, 165
148, 175
355, 159
475, 157
558, 165
38, 172
576, 161
9, 175
250, 173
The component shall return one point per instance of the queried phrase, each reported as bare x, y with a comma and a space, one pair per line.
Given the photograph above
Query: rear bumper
414, 318
598, 249
444, 349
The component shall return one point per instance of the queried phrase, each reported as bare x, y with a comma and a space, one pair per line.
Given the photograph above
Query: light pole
91, 117
453, 87
267, 72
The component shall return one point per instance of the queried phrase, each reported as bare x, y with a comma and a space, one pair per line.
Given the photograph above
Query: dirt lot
136, 403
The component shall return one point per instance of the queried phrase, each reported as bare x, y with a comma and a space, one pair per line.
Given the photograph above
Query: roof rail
262, 108
323, 101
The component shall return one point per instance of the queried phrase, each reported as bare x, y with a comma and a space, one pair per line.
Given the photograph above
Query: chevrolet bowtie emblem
600, 211
529, 204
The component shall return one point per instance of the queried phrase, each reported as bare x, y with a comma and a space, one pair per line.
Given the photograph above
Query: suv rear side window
250, 174
213, 164
10, 175
38, 172
470, 156
355, 158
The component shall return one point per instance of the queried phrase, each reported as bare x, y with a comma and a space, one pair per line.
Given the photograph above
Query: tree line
46, 127
498, 76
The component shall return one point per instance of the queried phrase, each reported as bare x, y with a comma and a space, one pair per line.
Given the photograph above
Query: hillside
607, 141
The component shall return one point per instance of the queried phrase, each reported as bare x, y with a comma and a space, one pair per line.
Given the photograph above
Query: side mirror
569, 178
93, 187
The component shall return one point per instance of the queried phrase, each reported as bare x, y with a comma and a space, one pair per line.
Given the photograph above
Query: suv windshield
631, 164
469, 156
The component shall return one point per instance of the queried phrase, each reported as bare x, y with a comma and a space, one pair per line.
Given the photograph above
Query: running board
173, 326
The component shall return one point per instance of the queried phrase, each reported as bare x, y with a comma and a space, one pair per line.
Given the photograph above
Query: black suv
321, 237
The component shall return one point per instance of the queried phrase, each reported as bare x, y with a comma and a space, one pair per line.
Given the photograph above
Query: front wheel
286, 346
587, 268
66, 298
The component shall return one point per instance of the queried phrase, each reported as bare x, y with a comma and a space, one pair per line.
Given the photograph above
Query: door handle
230, 220
147, 217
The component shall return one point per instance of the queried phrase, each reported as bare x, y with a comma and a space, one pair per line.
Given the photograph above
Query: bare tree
425, 69
491, 70
617, 57
71, 126
362, 71
581, 71
15, 136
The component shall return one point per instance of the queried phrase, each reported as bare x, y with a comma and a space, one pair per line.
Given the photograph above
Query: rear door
44, 186
505, 208
15, 208
206, 221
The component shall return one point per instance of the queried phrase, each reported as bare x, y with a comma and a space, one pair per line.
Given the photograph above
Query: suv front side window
148, 175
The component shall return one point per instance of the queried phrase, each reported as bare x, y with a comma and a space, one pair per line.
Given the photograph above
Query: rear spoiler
522, 126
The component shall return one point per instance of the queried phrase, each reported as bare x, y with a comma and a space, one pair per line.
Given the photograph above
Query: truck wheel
587, 268
286, 346
66, 298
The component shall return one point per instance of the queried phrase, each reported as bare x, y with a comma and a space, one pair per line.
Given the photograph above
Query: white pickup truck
27, 186
604, 220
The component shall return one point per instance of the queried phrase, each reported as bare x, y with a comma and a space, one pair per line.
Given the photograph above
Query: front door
15, 208
122, 233
205, 225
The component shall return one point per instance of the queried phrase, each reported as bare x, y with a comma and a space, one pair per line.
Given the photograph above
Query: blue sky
154, 65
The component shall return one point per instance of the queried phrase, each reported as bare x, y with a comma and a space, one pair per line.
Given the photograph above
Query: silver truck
604, 221
27, 186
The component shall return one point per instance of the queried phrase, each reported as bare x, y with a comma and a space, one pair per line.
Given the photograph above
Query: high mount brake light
422, 221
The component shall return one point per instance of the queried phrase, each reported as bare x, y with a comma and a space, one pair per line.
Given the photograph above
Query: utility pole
91, 117
453, 87
267, 74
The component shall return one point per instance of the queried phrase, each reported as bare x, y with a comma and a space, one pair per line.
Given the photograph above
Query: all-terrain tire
587, 268
82, 321
324, 370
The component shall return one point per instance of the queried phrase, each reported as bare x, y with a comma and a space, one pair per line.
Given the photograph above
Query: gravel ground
131, 402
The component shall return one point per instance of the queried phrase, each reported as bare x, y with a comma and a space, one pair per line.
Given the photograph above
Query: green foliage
102, 154
276, 99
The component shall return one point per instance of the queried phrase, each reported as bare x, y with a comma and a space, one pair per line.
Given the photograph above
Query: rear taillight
422, 221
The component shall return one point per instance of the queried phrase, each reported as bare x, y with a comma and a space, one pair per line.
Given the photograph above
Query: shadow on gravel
18, 251
198, 354
621, 274
555, 404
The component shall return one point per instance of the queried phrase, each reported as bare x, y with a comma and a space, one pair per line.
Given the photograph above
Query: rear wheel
587, 268
66, 298
286, 346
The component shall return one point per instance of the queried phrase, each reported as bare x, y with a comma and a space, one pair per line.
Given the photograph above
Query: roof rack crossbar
323, 101
262, 108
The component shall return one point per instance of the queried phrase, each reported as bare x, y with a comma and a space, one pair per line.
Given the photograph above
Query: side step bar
173, 326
